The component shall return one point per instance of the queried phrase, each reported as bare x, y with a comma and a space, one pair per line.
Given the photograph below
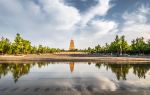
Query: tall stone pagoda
71, 47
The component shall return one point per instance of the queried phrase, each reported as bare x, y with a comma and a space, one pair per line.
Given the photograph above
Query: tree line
121, 47
22, 46
117, 47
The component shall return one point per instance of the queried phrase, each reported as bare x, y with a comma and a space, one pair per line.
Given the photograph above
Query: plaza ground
73, 57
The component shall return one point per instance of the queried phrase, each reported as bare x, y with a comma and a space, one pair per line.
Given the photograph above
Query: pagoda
72, 47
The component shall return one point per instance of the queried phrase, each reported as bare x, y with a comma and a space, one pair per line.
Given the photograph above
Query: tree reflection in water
19, 69
120, 70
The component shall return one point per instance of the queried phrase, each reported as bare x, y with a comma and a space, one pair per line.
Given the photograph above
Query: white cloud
136, 30
53, 23
96, 32
136, 23
48, 22
99, 10
135, 85
59, 14
103, 27
93, 30
106, 84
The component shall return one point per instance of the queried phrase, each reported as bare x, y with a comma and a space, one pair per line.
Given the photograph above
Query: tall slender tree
5, 45
124, 45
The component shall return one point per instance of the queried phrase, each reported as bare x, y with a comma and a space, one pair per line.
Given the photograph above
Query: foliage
121, 47
5, 46
139, 46
117, 47
22, 46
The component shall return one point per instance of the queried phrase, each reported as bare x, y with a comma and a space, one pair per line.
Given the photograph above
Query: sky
54, 23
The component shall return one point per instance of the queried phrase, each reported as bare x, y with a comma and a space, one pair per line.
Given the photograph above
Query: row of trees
22, 46
120, 46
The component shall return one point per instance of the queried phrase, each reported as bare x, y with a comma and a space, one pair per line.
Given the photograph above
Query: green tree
18, 44
106, 48
124, 45
98, 49
147, 47
40, 49
26, 46
21, 46
119, 46
34, 50
115, 46
138, 45
4, 46
133, 46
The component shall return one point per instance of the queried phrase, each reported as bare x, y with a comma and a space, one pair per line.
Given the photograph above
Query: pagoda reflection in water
71, 65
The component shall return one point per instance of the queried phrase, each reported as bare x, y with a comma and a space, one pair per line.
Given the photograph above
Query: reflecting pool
74, 78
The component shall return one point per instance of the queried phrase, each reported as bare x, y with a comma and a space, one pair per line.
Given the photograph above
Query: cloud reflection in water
92, 79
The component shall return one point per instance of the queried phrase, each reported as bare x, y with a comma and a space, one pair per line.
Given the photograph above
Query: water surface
74, 78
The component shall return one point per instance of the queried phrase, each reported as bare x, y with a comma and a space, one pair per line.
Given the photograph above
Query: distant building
72, 47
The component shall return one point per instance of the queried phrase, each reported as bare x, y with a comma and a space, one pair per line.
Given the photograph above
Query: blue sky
89, 22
